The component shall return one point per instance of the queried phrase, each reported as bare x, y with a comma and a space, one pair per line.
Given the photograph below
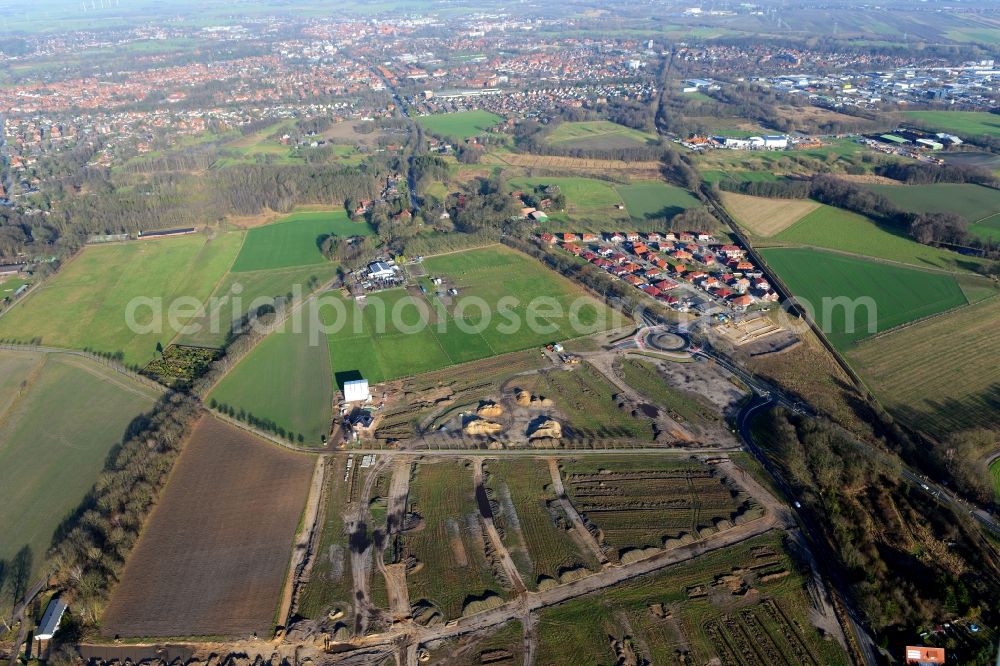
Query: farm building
356, 390
166, 232
379, 270
50, 620
10, 269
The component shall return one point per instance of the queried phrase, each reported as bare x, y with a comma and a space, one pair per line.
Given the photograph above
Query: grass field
536, 532
460, 125
975, 203
586, 398
681, 612
256, 288
379, 348
285, 380
939, 374
838, 229
294, 240
597, 134
84, 305
655, 200
451, 544
60, 415
899, 294
641, 502
766, 217
962, 123
995, 475
212, 557
586, 198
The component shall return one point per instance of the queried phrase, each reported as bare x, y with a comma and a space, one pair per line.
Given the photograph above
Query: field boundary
11, 346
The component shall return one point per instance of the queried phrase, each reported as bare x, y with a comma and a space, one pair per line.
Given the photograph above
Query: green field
995, 475
84, 305
597, 134
963, 123
899, 294
460, 125
977, 204
294, 240
664, 615
655, 200
450, 544
526, 505
369, 341
284, 380
838, 229
255, 288
61, 415
586, 198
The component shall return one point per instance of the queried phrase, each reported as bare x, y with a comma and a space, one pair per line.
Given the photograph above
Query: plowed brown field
212, 558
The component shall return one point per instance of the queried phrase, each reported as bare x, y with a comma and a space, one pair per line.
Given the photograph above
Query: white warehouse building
356, 390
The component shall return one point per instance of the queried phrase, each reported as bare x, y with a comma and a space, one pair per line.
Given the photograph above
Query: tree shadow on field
135, 426
665, 213
346, 376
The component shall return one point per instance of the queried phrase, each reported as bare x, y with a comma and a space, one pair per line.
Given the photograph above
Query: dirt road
395, 574
513, 575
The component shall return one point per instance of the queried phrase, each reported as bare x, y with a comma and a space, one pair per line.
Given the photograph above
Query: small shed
50, 620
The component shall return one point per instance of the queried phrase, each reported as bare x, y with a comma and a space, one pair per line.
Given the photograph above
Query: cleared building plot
85, 305
766, 217
747, 604
213, 555
449, 568
535, 529
940, 374
60, 415
637, 503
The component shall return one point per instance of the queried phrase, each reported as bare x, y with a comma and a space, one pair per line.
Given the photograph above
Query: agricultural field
535, 531
588, 402
461, 125
598, 135
643, 502
51, 457
284, 383
977, 204
84, 305
899, 294
451, 568
213, 555
940, 374
655, 200
586, 198
253, 289
295, 240
995, 475
746, 604
838, 229
369, 341
962, 123
766, 217
649, 170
